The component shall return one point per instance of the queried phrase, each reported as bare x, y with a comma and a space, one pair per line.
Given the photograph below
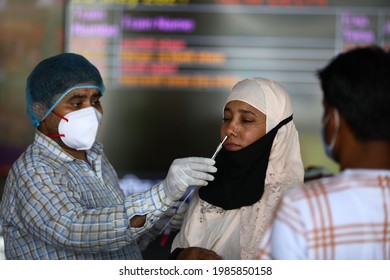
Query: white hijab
212, 227
285, 167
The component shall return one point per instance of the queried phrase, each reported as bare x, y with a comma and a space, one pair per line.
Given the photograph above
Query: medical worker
62, 198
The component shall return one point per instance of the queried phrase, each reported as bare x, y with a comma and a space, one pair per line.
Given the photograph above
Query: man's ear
39, 110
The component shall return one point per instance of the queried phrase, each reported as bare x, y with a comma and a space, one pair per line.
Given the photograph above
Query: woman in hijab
259, 161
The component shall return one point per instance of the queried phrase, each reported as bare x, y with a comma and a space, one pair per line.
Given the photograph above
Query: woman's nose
232, 129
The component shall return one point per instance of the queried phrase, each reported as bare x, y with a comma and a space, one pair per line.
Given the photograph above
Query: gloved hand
185, 172
174, 216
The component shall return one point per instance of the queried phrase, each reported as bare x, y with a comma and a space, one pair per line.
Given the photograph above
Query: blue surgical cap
53, 78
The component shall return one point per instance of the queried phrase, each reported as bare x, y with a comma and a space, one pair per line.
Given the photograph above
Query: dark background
146, 127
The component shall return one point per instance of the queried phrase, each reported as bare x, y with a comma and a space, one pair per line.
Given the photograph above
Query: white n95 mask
78, 129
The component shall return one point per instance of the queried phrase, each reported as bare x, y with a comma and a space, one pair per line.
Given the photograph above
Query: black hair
357, 83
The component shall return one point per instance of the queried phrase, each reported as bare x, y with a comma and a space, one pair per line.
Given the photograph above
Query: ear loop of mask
337, 126
58, 135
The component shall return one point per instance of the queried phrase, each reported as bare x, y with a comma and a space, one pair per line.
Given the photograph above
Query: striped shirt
57, 207
341, 217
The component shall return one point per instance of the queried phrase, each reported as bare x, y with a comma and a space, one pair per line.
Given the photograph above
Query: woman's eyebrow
243, 111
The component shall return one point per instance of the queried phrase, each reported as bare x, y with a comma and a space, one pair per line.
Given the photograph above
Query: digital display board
169, 65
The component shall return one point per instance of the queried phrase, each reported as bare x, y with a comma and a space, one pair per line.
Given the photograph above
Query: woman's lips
230, 146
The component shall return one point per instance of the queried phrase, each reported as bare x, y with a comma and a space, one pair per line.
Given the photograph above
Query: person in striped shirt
345, 216
62, 198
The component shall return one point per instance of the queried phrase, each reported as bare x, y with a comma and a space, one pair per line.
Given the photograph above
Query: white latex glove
174, 216
185, 172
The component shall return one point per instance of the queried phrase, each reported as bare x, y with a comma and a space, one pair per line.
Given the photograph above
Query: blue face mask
329, 147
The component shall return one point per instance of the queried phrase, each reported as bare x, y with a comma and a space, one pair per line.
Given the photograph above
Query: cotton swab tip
219, 148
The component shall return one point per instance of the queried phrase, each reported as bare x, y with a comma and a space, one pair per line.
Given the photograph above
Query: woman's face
243, 124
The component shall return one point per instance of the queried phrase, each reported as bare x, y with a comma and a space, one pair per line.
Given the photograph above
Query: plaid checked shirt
58, 207
342, 217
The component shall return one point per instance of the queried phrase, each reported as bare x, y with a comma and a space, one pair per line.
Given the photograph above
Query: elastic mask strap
57, 135
61, 117
283, 122
337, 126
